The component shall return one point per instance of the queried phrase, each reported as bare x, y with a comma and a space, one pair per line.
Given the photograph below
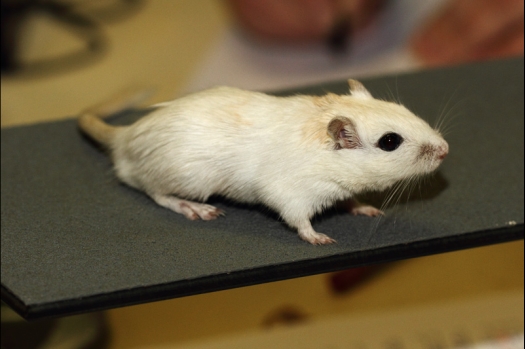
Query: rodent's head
388, 141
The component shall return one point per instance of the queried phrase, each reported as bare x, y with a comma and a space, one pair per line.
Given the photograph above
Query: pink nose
442, 152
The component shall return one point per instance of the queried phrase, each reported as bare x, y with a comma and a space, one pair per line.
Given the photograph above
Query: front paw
366, 210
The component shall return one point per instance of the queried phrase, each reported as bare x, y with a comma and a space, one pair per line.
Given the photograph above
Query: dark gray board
75, 240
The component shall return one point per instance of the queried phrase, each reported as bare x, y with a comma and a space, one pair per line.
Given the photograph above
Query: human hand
301, 20
469, 30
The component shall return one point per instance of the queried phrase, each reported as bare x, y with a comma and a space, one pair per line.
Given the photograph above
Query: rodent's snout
442, 151
432, 152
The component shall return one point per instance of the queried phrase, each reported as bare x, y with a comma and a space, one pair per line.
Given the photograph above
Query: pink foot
318, 239
191, 210
308, 234
366, 210
194, 210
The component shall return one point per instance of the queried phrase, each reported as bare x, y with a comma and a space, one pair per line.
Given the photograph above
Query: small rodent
297, 155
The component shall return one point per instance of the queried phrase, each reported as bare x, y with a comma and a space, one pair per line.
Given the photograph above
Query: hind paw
195, 210
190, 209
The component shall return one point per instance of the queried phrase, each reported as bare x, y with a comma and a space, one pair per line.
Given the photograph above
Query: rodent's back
218, 140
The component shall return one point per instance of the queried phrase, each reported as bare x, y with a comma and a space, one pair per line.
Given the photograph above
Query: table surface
74, 239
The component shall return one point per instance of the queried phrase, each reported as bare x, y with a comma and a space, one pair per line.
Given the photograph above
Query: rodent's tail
91, 121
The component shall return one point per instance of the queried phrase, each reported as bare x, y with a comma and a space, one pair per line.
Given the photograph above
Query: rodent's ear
358, 90
343, 132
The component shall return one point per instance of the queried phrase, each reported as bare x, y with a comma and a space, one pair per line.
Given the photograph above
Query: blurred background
59, 57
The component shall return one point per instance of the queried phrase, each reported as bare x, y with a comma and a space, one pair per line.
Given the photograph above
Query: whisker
394, 196
397, 93
391, 194
397, 188
443, 122
383, 206
391, 96
448, 119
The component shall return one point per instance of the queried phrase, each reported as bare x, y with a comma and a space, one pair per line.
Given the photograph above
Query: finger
464, 25
285, 19
361, 12
351, 16
509, 43
472, 22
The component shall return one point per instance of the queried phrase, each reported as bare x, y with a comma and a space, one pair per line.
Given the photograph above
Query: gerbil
296, 155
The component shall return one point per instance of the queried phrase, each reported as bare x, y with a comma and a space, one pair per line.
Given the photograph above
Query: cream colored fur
256, 148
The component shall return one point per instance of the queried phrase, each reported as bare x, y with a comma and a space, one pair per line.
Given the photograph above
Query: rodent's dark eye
390, 142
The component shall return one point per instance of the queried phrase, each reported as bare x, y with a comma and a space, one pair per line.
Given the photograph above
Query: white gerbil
296, 155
